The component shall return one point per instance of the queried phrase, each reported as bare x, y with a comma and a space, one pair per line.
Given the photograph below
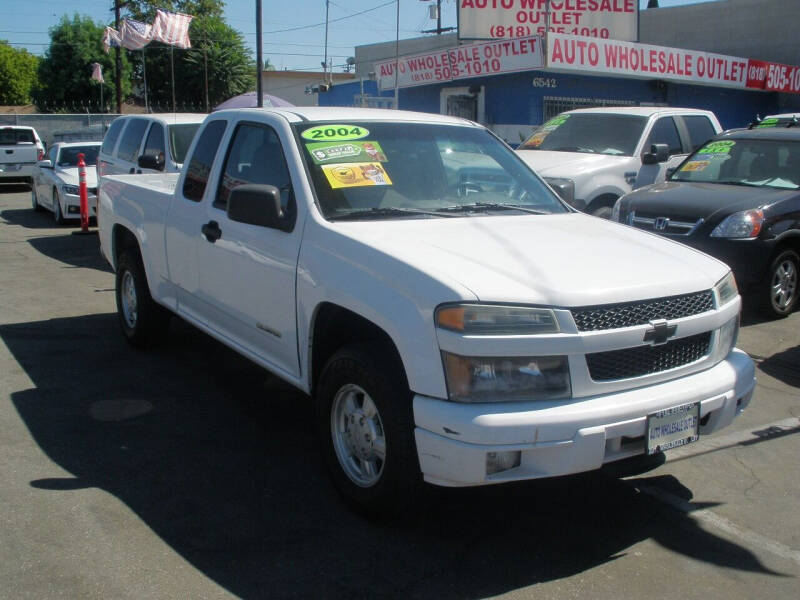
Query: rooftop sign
493, 19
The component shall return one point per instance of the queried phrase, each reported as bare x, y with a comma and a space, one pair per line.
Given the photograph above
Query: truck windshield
751, 162
594, 133
180, 138
380, 170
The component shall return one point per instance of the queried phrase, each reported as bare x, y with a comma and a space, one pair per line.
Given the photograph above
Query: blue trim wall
512, 99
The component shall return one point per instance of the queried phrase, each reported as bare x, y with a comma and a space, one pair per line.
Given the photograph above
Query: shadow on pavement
73, 250
17, 188
31, 219
218, 459
784, 366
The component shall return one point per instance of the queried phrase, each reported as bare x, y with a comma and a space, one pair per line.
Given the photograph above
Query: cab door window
665, 132
131, 140
255, 155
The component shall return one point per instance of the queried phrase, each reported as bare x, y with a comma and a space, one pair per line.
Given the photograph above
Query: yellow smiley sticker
346, 175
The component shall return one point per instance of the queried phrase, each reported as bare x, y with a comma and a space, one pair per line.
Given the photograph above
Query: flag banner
135, 35
172, 28
97, 72
111, 39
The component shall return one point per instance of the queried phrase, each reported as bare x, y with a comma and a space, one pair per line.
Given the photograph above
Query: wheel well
122, 239
601, 200
789, 243
335, 327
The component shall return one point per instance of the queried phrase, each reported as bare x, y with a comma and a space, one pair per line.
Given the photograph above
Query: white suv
147, 143
593, 156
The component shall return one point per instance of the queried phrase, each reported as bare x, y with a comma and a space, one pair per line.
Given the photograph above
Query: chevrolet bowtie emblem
660, 332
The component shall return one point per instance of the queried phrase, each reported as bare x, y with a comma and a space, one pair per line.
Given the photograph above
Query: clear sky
25, 23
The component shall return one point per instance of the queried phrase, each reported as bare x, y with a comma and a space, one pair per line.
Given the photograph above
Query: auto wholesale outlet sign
613, 57
492, 19
462, 62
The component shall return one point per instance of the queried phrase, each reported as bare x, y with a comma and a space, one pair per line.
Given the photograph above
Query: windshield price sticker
538, 136
696, 165
323, 152
672, 427
721, 147
348, 175
335, 133
773, 122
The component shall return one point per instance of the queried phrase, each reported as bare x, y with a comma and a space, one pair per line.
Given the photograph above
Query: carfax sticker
696, 165
335, 133
323, 152
720, 147
345, 175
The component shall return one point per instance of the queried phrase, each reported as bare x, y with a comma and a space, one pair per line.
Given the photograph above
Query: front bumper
563, 437
72, 206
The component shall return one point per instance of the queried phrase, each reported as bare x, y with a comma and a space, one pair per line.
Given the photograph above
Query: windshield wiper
575, 149
745, 183
387, 211
477, 206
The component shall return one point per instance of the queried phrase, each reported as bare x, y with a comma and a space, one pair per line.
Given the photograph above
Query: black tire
143, 321
604, 212
373, 370
779, 290
35, 200
58, 216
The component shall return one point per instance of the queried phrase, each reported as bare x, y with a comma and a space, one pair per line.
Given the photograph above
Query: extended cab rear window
111, 136
10, 136
194, 184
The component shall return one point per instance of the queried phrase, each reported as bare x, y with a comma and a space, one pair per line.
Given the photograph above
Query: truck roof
297, 114
642, 111
172, 118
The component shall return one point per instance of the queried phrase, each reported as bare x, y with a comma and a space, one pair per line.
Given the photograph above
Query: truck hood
548, 163
556, 260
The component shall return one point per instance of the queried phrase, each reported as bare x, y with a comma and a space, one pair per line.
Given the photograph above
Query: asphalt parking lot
188, 472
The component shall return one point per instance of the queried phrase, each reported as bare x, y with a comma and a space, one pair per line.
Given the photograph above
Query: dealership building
734, 57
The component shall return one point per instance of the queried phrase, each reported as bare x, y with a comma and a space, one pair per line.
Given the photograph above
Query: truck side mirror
257, 204
44, 164
152, 161
658, 153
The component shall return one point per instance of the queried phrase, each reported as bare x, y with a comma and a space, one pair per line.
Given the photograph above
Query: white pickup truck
453, 319
20, 149
592, 156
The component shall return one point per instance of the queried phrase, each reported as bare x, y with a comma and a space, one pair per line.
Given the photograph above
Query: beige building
292, 85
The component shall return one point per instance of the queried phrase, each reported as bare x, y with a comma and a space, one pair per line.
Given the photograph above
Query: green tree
18, 75
65, 71
217, 51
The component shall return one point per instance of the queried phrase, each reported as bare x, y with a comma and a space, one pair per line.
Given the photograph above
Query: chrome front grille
630, 314
663, 224
648, 360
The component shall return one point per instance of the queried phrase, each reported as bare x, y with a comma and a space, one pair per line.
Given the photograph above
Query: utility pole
397, 58
439, 29
259, 58
325, 62
118, 56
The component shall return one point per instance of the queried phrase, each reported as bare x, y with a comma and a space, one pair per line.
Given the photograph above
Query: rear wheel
366, 430
143, 321
58, 216
779, 289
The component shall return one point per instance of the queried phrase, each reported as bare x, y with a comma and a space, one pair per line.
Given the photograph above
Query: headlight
741, 225
501, 379
72, 190
488, 319
563, 187
726, 289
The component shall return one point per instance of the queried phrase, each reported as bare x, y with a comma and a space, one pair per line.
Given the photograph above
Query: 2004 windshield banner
471, 60
493, 19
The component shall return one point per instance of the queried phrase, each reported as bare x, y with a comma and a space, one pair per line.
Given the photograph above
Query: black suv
736, 198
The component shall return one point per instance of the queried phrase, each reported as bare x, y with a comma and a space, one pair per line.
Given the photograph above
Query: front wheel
366, 430
143, 321
780, 287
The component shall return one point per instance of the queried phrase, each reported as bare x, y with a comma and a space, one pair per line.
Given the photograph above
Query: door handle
212, 231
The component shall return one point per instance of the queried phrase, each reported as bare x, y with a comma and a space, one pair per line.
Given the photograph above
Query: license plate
672, 427
9, 167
